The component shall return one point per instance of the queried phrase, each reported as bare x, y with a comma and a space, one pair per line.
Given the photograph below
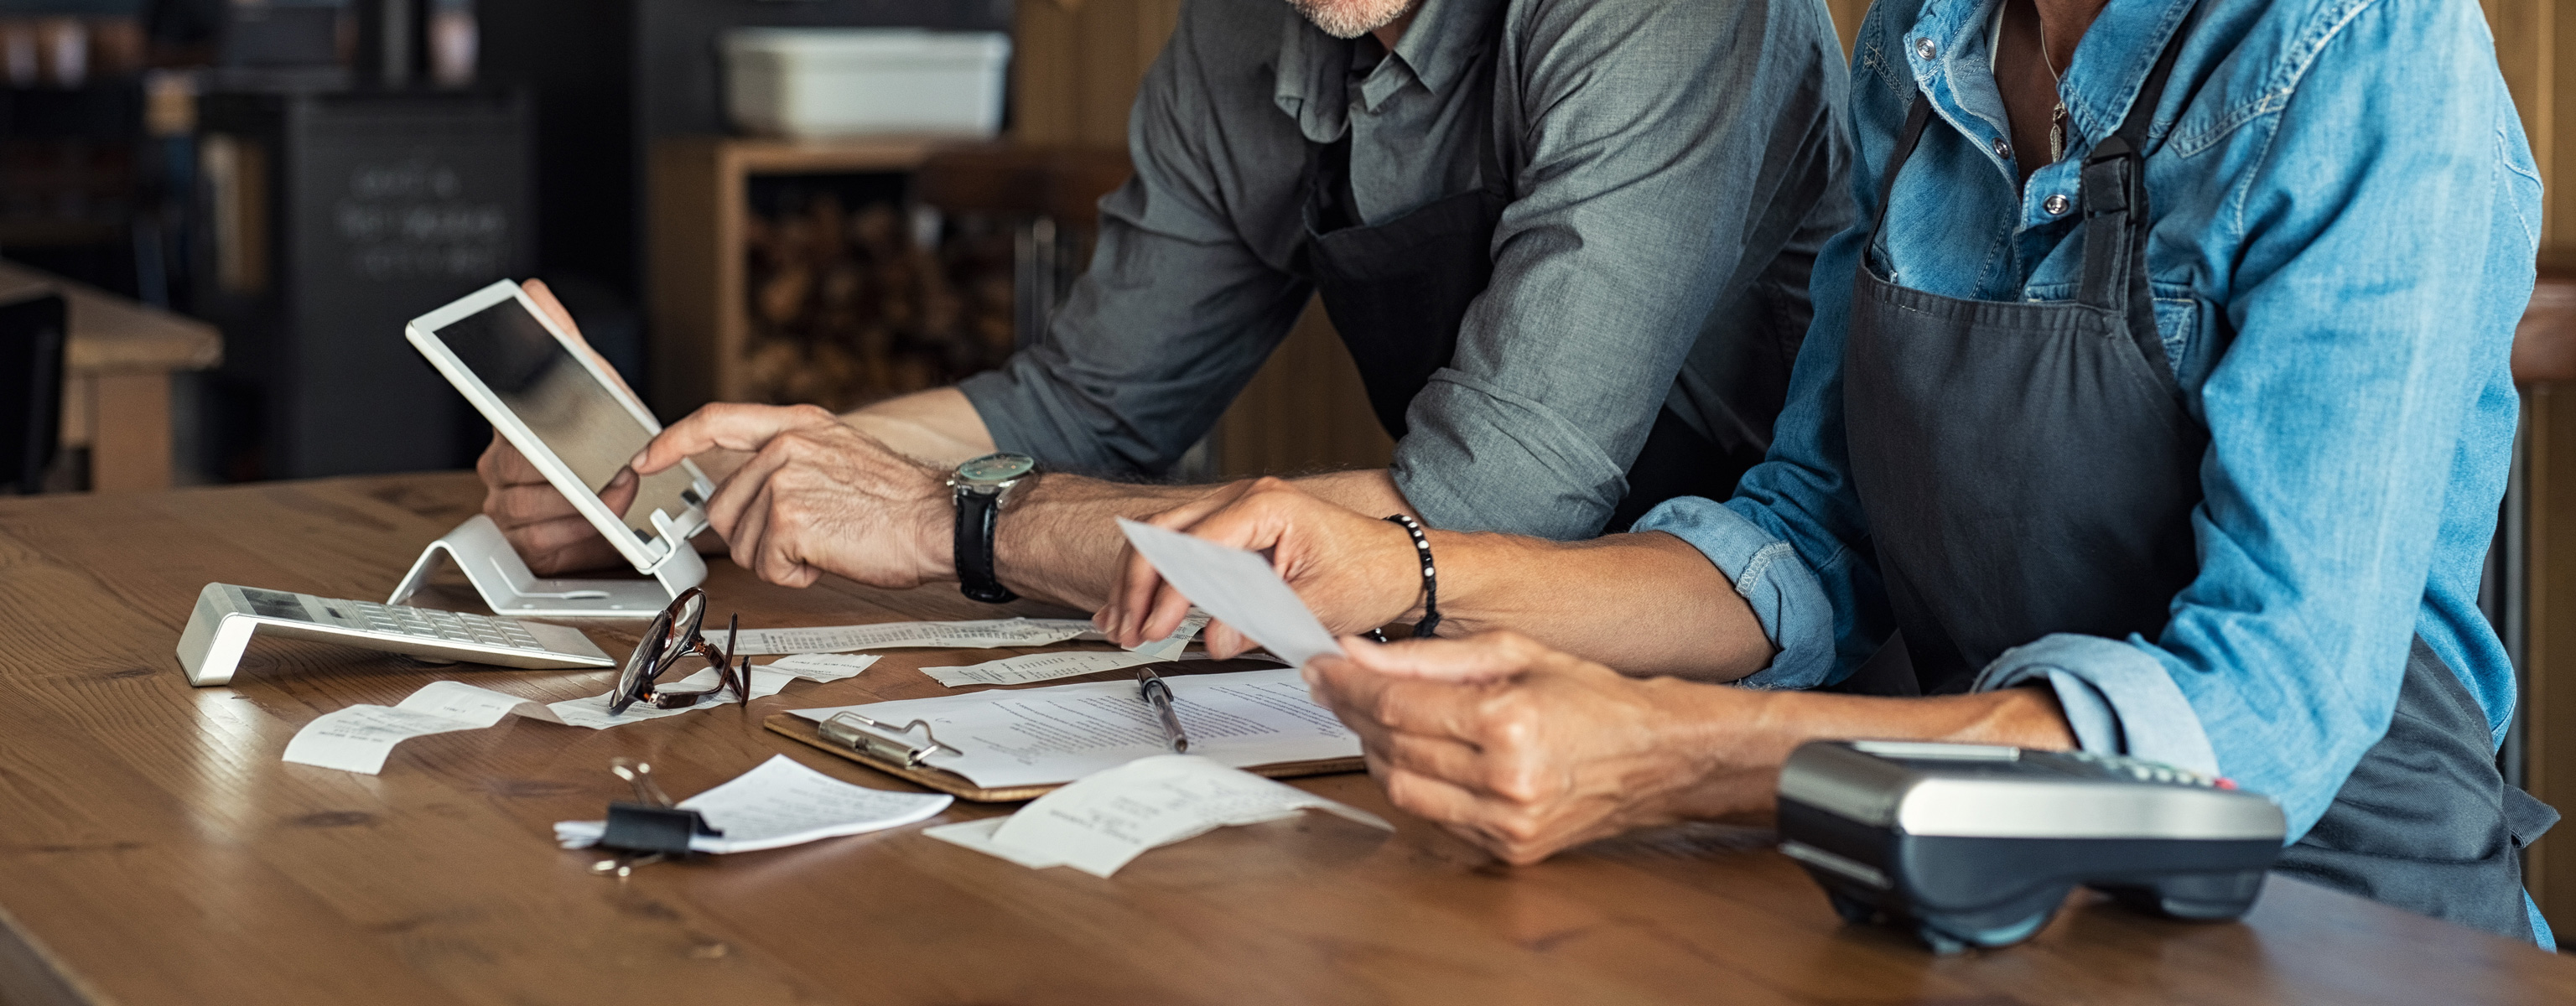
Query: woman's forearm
1645, 604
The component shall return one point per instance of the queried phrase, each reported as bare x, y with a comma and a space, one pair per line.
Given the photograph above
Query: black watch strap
976, 514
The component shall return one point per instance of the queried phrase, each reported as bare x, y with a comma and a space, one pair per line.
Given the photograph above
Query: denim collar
2100, 81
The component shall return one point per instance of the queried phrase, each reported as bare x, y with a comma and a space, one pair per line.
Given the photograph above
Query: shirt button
2003, 149
1923, 47
2056, 205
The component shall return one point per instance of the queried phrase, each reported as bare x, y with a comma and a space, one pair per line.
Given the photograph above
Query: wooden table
117, 369
154, 849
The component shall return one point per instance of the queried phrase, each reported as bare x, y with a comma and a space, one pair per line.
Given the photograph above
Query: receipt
820, 666
1038, 667
360, 738
782, 803
766, 680
985, 634
1170, 647
1101, 822
1035, 667
1237, 586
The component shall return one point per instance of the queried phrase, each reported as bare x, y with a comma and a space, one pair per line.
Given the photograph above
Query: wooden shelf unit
699, 200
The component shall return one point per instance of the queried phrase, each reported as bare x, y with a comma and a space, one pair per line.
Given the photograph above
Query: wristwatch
980, 486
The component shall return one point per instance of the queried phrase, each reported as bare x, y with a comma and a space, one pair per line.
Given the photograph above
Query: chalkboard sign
389, 205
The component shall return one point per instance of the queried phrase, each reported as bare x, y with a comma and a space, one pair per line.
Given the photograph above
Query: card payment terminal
1976, 845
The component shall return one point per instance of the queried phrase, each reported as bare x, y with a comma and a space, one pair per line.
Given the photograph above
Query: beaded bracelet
1430, 623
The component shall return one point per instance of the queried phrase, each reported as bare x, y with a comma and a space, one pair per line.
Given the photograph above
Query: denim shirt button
1923, 47
2003, 149
2056, 205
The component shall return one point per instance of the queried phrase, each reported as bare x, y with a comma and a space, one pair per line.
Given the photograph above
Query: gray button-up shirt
1675, 166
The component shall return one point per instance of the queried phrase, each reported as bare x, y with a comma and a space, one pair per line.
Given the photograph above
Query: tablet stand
507, 585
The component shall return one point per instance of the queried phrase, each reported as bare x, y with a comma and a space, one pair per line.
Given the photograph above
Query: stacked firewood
849, 307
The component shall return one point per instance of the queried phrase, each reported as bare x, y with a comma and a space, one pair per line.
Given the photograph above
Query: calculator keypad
452, 626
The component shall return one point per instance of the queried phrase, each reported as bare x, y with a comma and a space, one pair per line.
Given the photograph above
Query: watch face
993, 468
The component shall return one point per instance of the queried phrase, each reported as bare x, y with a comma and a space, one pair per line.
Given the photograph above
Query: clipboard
895, 753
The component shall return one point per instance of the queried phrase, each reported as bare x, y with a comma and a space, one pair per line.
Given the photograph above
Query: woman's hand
1526, 751
1354, 571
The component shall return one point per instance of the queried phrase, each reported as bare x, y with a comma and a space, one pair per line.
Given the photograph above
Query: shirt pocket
2177, 322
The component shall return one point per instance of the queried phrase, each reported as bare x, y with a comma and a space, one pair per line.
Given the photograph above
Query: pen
1151, 688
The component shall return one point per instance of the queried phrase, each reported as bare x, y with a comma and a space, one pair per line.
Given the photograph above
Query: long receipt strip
1236, 586
766, 680
1035, 667
1040, 736
981, 635
782, 803
360, 738
1099, 823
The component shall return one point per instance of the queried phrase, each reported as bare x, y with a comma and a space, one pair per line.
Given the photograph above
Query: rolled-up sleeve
1653, 139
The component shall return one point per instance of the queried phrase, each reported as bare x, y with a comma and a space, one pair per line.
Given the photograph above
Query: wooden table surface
117, 365
154, 849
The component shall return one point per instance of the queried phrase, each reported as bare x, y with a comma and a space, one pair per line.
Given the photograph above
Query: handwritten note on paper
782, 803
360, 738
1038, 736
1101, 822
978, 635
1236, 586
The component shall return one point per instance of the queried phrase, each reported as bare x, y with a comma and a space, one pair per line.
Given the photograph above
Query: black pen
1158, 694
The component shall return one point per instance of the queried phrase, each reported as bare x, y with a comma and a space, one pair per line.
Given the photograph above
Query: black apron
1397, 292
2028, 468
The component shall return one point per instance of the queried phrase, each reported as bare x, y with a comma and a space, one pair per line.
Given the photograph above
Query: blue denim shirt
2346, 219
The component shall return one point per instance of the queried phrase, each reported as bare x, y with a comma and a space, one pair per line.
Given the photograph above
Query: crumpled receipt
1098, 823
360, 738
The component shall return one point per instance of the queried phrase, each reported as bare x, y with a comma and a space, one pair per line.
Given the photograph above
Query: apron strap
1916, 115
2114, 191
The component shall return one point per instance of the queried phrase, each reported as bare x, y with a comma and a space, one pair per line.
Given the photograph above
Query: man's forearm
939, 426
1370, 491
1060, 542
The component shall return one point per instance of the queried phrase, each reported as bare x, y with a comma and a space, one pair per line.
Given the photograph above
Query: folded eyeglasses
671, 635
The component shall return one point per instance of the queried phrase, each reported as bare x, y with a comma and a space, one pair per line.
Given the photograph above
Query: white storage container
818, 82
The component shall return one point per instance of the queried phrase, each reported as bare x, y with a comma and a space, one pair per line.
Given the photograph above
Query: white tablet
554, 401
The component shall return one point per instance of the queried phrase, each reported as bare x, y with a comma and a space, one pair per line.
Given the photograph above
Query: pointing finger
734, 427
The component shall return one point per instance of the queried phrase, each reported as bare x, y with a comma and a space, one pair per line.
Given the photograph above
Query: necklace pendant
2057, 134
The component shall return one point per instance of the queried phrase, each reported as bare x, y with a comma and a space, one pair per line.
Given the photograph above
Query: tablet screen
580, 419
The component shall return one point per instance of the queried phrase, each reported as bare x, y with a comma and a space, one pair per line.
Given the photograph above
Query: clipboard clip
882, 739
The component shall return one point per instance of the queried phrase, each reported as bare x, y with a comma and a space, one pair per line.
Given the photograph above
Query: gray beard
1352, 18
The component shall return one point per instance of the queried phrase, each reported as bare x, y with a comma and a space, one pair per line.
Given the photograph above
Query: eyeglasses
674, 634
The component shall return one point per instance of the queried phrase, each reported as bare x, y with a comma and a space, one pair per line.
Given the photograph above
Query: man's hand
1526, 751
816, 497
538, 521
1354, 571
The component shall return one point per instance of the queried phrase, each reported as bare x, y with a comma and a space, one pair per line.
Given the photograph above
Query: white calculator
227, 616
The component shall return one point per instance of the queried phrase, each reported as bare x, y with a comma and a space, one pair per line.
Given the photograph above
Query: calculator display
275, 604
